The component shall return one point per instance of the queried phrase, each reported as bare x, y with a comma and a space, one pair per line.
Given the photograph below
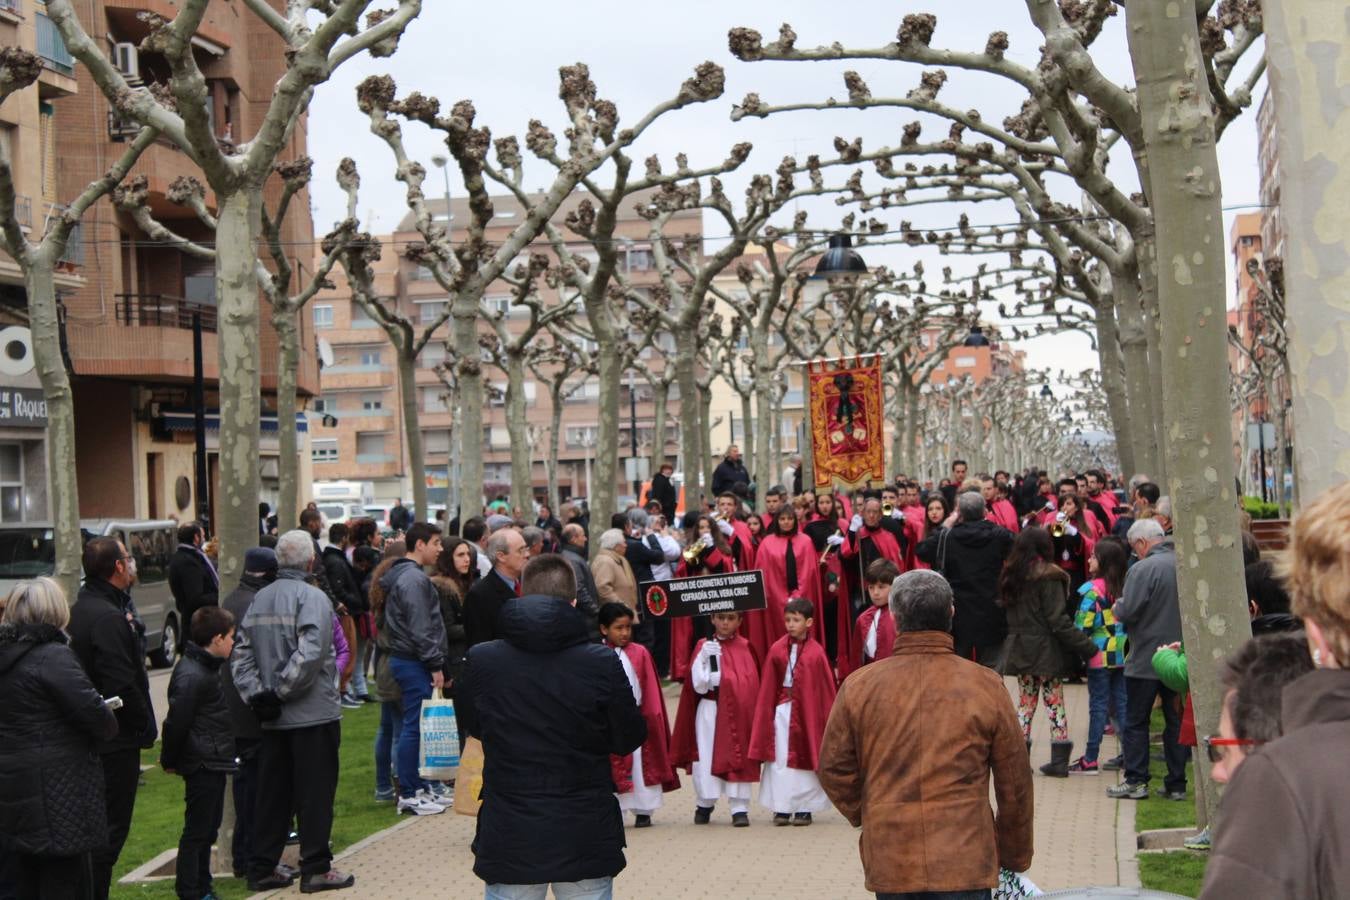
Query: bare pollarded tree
38, 260
1266, 352
318, 37
561, 363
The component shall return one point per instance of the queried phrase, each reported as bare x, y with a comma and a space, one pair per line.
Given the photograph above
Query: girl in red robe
755, 523
935, 513
642, 777
711, 556
826, 529
715, 718
789, 562
796, 691
1074, 547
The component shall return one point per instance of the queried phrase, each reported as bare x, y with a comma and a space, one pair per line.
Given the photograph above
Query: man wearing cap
260, 570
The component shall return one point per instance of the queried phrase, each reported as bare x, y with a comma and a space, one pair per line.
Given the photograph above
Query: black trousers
203, 804
121, 774
244, 786
968, 646
1139, 696
297, 773
661, 647
53, 877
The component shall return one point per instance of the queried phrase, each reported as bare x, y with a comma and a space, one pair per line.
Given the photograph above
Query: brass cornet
694, 551
887, 508
1057, 526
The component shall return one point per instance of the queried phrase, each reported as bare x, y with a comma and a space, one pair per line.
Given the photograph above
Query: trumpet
826, 553
1057, 526
694, 551
887, 508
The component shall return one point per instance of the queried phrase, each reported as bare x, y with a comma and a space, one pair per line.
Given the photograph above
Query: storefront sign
22, 407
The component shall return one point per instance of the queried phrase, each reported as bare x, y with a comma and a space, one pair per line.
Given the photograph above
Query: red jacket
656, 765
735, 716
812, 696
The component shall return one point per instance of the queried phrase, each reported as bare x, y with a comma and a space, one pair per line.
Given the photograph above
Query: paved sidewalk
1076, 844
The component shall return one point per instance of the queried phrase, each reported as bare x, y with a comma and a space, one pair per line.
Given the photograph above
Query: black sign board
22, 406
703, 595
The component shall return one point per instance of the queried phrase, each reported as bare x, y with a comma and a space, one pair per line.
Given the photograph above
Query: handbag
1012, 885
469, 781
439, 750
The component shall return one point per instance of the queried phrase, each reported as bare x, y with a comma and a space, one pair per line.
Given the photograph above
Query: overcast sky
506, 57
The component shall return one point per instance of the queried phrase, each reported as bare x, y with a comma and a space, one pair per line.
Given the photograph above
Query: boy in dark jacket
198, 743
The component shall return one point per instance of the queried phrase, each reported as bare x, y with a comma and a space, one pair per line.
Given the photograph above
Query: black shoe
332, 880
801, 819
286, 871
1114, 764
1164, 793
781, 819
702, 815
642, 821
272, 882
740, 820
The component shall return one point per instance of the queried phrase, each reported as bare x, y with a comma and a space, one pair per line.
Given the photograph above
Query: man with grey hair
614, 581
534, 539
1151, 613
285, 669
910, 746
969, 551
508, 554
1162, 514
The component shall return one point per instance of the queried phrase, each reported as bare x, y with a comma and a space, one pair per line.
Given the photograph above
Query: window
422, 273
499, 304
432, 355
965, 362
587, 391
581, 435
361, 318
151, 548
325, 404
322, 450
323, 317
499, 437
433, 399
370, 447
639, 259
372, 402
372, 357
497, 392
429, 311
11, 482
435, 442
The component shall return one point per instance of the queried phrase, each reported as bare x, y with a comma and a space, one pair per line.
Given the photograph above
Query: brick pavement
1076, 844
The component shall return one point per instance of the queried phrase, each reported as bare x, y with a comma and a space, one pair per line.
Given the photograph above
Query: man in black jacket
312, 521
260, 570
588, 597
969, 552
550, 707
507, 553
192, 579
663, 492
729, 472
103, 637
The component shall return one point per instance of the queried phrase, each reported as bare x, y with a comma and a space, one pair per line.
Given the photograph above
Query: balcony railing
162, 311
14, 6
52, 47
23, 211
120, 127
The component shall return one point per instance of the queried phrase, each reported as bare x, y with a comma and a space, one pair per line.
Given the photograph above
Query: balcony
11, 6
162, 311
52, 48
23, 211
122, 128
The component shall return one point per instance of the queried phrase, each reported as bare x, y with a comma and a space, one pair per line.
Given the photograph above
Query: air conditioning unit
127, 60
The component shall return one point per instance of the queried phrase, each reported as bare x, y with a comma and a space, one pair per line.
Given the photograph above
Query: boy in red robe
796, 692
791, 568
714, 720
642, 777
874, 632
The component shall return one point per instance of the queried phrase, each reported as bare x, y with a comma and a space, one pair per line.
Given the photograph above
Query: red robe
735, 716
1107, 501
812, 697
656, 765
745, 560
886, 545
714, 562
1002, 513
885, 636
833, 584
763, 627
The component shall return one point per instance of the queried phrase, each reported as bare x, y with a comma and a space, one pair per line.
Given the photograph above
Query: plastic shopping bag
1014, 885
469, 782
440, 740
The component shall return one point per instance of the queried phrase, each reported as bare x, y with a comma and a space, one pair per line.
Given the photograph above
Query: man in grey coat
285, 669
1150, 611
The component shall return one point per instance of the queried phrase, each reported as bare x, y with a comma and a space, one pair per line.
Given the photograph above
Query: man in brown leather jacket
908, 751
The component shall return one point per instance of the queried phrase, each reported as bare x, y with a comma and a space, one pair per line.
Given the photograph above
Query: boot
1058, 766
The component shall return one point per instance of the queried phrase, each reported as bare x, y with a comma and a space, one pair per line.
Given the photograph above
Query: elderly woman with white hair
50, 720
614, 579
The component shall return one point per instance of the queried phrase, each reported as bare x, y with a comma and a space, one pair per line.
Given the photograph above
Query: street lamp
442, 162
840, 259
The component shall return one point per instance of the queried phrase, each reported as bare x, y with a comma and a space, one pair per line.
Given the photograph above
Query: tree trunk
469, 379
412, 429
1309, 100
1179, 140
551, 460
522, 470
660, 403
237, 305
64, 500
703, 399
1143, 417
1113, 385
601, 498
1150, 302
910, 426
285, 321
691, 435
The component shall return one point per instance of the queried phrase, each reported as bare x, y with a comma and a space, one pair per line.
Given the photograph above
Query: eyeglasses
1214, 745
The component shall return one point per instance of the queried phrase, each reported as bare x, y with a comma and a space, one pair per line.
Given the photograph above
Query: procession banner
703, 595
847, 431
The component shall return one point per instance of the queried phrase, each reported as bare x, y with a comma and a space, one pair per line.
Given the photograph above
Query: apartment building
28, 139
129, 324
358, 433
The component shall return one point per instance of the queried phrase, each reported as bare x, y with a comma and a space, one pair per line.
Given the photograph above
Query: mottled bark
554, 441
1309, 81
522, 476
405, 356
238, 221
1113, 386
285, 322
691, 435
469, 376
910, 427
660, 404
1185, 192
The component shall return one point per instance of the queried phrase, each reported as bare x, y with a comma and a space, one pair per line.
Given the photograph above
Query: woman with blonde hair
50, 721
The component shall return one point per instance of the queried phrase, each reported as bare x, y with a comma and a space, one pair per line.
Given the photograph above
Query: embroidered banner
847, 432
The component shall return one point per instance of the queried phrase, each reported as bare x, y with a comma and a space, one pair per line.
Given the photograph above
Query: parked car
334, 512
28, 550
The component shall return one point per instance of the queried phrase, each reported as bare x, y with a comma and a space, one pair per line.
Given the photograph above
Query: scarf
791, 565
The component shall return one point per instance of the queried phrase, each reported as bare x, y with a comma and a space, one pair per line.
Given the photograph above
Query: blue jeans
415, 684
590, 889
1106, 691
386, 740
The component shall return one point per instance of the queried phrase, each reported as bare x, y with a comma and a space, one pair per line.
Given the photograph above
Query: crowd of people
873, 675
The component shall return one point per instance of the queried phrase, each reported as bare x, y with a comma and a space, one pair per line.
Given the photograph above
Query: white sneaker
420, 804
435, 796
441, 794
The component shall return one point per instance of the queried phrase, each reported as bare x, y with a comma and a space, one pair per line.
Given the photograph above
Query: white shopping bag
439, 755
1013, 885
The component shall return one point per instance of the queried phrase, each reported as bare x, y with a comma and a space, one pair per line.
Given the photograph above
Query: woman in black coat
51, 717
1043, 643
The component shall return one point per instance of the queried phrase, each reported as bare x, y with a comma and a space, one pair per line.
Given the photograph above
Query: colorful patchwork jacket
1095, 617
